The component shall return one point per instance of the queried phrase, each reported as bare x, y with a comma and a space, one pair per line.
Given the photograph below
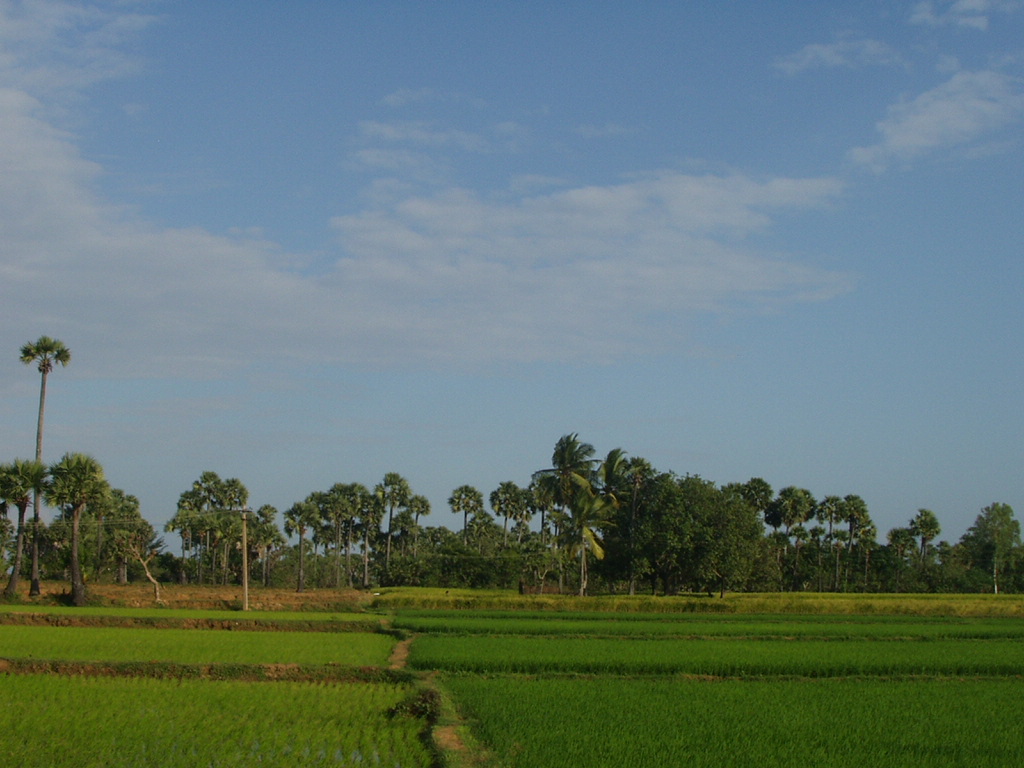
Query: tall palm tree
76, 481
419, 506
393, 492
830, 510
470, 502
299, 518
925, 526
508, 500
46, 353
572, 468
19, 482
587, 513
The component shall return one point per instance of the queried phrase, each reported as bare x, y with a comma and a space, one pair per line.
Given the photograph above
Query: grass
621, 723
592, 624
733, 603
188, 614
727, 657
105, 723
89, 644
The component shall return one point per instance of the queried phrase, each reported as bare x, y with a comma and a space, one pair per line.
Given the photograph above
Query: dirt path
400, 654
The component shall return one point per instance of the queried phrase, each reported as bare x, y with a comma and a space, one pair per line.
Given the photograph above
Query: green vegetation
192, 647
721, 657
186, 723
689, 625
627, 723
10, 613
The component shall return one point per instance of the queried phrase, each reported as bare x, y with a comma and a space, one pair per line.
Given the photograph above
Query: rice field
725, 657
529, 688
186, 646
188, 614
97, 722
546, 689
698, 625
648, 723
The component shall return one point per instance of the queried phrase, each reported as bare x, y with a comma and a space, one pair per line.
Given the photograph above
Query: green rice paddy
184, 646
527, 688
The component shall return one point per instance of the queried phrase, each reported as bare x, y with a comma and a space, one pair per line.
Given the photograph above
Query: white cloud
968, 107
848, 54
608, 130
57, 48
578, 273
590, 273
457, 277
423, 134
969, 14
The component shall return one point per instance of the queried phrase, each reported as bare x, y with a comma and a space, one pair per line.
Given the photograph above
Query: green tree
265, 538
20, 482
829, 510
925, 526
299, 519
420, 507
509, 502
370, 510
992, 538
855, 513
901, 542
467, 501
729, 530
76, 481
46, 353
393, 492
572, 469
588, 513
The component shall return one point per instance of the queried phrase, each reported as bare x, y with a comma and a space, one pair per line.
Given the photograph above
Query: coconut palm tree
76, 482
572, 468
19, 482
46, 353
587, 514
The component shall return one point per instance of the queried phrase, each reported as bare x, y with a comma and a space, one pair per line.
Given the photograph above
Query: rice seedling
100, 722
91, 644
696, 625
648, 723
720, 657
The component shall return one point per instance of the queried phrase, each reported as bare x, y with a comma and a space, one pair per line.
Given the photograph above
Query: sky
315, 242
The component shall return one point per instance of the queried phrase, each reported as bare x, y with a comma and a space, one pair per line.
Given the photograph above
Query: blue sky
315, 242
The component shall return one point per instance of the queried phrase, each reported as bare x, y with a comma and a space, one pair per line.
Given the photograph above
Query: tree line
581, 524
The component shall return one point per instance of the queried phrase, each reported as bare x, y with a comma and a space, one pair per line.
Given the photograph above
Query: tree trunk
77, 579
348, 555
366, 561
302, 570
99, 546
36, 588
19, 548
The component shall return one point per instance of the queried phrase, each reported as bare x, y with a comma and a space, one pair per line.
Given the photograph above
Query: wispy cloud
57, 48
848, 54
970, 14
424, 134
969, 107
607, 130
579, 273
458, 276
586, 273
